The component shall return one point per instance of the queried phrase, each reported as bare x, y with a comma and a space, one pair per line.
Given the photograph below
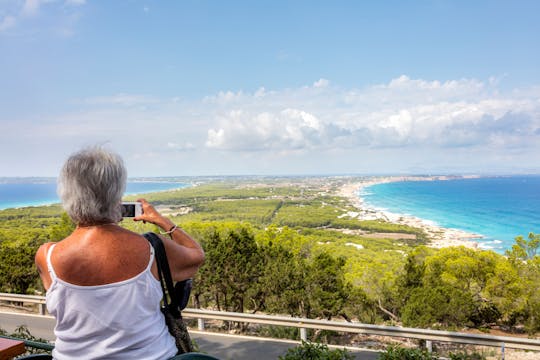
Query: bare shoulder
41, 263
41, 253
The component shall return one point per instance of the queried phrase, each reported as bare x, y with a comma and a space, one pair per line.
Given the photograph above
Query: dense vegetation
288, 246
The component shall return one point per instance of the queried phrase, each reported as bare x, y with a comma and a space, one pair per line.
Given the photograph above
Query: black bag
177, 293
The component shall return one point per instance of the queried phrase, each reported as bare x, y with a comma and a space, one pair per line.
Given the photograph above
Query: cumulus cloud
321, 83
404, 112
402, 124
287, 130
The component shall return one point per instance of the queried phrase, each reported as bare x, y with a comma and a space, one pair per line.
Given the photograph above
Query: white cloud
228, 97
260, 92
216, 138
404, 112
121, 99
24, 14
321, 83
31, 7
404, 124
287, 130
75, 2
187, 146
401, 123
7, 22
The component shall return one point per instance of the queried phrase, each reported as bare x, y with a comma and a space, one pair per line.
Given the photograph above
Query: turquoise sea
31, 192
498, 208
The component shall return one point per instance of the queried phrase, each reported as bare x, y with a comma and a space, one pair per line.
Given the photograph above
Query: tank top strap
49, 264
151, 260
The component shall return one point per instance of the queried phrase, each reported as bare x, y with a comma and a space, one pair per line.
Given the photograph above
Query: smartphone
131, 209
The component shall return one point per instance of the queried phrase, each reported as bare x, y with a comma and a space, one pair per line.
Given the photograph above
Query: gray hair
91, 184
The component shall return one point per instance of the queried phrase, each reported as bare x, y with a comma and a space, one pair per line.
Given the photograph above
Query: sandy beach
440, 236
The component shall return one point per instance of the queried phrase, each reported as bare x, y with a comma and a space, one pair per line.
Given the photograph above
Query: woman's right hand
151, 215
185, 255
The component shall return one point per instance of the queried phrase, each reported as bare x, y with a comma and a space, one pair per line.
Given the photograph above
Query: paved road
232, 347
39, 325
223, 346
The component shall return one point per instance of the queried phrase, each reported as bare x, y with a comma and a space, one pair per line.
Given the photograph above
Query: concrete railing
302, 324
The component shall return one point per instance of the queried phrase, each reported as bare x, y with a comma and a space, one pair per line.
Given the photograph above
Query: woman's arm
184, 254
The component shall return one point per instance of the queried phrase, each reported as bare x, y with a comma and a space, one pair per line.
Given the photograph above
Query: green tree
63, 229
441, 305
288, 238
524, 249
525, 261
469, 271
18, 273
413, 273
527, 306
231, 267
281, 286
489, 289
377, 275
326, 289
359, 306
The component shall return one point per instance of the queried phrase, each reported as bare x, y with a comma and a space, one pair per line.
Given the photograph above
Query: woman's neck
86, 226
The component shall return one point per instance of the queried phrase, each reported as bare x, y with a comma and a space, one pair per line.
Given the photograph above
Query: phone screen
128, 210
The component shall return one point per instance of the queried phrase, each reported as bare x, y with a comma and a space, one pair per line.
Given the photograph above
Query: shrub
400, 353
311, 351
466, 356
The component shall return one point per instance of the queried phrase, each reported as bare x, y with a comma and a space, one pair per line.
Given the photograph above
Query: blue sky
272, 87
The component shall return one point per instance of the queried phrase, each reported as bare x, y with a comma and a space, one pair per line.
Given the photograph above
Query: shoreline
439, 236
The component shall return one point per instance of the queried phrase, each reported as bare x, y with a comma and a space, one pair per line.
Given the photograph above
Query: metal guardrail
341, 326
33, 299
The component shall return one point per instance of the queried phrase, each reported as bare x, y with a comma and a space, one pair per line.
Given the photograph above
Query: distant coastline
30, 192
443, 231
440, 236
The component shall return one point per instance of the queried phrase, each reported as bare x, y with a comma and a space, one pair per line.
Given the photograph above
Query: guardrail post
502, 351
303, 334
429, 345
200, 324
42, 308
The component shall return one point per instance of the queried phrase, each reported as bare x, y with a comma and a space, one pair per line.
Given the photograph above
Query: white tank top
121, 320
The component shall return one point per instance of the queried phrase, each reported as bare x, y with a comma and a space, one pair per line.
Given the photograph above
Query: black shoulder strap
163, 270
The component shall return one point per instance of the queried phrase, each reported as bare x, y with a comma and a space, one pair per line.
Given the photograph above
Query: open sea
21, 193
498, 208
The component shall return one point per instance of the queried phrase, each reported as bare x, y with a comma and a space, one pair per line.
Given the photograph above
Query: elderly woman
102, 281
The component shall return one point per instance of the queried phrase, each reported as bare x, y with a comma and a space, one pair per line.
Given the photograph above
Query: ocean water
498, 208
22, 193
